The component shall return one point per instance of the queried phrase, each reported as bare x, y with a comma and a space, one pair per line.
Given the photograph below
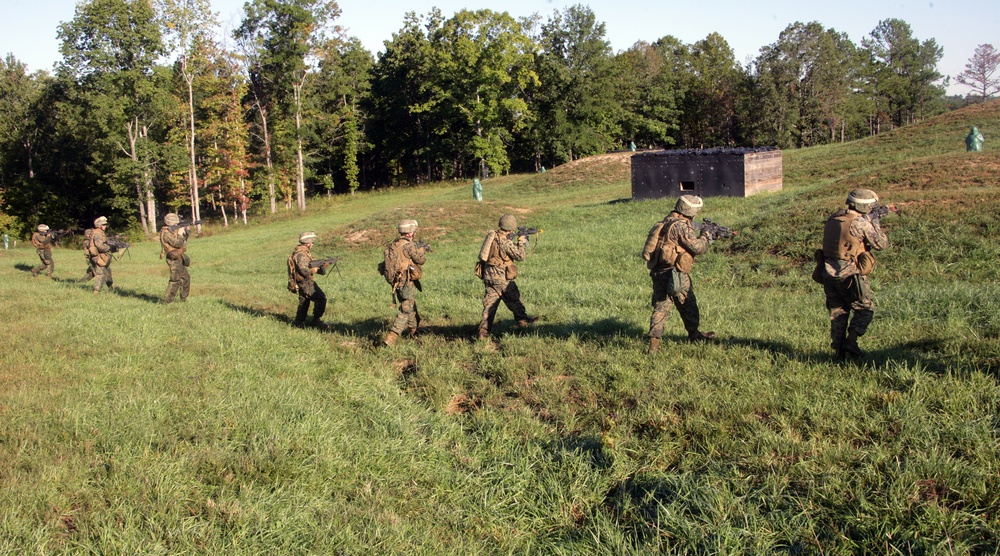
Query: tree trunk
195, 194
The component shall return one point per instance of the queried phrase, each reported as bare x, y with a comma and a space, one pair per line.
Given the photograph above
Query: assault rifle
56, 234
184, 224
321, 264
523, 231
421, 245
878, 211
715, 231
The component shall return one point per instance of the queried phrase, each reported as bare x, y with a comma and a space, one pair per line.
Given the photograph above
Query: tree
578, 112
711, 83
188, 25
981, 73
283, 36
109, 50
647, 90
901, 76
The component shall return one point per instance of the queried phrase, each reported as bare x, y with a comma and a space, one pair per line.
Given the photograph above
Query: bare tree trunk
300, 182
195, 194
134, 134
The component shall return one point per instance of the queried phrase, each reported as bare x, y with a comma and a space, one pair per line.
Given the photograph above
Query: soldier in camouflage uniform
407, 281
307, 288
849, 236
42, 241
88, 237
100, 252
670, 249
497, 270
173, 244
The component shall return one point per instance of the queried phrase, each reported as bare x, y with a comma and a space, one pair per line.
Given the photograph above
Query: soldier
301, 280
43, 241
849, 236
100, 252
497, 270
88, 236
670, 250
403, 260
173, 244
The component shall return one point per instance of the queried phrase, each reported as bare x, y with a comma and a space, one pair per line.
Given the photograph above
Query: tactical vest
838, 241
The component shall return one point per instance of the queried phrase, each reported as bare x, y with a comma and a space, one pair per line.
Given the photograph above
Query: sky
28, 27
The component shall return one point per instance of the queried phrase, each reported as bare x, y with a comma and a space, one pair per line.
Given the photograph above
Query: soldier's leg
512, 299
303, 308
185, 282
109, 280
99, 278
50, 265
661, 306
687, 306
491, 301
319, 305
864, 312
839, 314
407, 309
173, 283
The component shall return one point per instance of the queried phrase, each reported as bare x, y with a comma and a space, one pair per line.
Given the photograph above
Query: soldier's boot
34, 272
390, 338
483, 334
654, 346
702, 337
850, 346
317, 324
527, 321
413, 332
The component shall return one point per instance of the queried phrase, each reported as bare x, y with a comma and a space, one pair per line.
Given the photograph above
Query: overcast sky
28, 27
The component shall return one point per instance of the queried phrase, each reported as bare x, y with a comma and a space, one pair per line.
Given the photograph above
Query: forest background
149, 112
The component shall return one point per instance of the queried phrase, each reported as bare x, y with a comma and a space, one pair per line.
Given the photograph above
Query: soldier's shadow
372, 328
600, 331
23, 267
133, 294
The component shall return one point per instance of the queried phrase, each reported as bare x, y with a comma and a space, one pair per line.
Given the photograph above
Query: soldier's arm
873, 236
513, 250
690, 240
173, 240
101, 244
302, 260
416, 254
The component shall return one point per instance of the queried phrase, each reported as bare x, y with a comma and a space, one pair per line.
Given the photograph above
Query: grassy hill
129, 426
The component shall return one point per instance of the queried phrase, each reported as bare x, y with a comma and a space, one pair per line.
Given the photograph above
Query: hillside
213, 426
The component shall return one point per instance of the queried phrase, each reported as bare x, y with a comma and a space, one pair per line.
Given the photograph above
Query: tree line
149, 111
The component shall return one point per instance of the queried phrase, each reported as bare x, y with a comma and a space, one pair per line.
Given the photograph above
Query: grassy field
132, 427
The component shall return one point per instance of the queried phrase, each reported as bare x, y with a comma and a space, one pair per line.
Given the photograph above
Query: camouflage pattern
498, 288
43, 246
175, 247
677, 228
102, 260
405, 292
88, 236
309, 291
845, 289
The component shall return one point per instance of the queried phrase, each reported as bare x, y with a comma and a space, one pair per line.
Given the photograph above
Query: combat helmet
100, 221
689, 205
307, 237
862, 200
407, 226
43, 228
508, 222
171, 219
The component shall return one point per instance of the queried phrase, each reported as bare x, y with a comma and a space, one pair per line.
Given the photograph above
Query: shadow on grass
588, 446
124, 292
23, 267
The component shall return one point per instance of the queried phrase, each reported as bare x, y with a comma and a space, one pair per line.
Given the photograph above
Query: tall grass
213, 426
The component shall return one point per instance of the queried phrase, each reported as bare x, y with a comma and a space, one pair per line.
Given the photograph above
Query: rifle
421, 245
716, 231
118, 243
523, 231
56, 234
878, 211
183, 224
322, 263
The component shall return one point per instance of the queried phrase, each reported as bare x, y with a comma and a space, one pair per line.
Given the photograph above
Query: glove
521, 240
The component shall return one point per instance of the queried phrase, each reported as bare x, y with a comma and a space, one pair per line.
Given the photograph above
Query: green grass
128, 426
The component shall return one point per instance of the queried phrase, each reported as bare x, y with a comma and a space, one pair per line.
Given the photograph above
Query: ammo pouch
292, 286
479, 269
865, 262
675, 282
415, 272
510, 272
818, 271
856, 288
684, 262
185, 260
103, 259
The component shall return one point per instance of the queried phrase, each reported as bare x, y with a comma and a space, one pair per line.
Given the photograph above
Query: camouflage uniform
846, 235
174, 246
43, 246
88, 237
677, 228
497, 257
405, 290
308, 290
100, 252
